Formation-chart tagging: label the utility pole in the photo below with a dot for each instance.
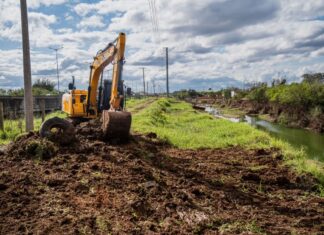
(147, 88)
(144, 79)
(28, 95)
(167, 70)
(57, 68)
(153, 85)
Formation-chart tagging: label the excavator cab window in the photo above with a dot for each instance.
(83, 98)
(71, 86)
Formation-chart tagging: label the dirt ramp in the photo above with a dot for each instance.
(148, 187)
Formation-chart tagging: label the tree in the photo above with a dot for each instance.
(45, 84)
(258, 94)
(313, 78)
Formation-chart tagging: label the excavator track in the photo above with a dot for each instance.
(116, 125)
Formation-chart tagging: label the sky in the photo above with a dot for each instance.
(212, 43)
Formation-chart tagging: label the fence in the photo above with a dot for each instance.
(13, 106)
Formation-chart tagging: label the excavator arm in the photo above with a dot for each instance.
(101, 60)
(117, 73)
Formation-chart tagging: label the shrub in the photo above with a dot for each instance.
(258, 94)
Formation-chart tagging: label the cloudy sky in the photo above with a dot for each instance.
(212, 43)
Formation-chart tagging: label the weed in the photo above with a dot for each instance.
(97, 175)
(260, 188)
(84, 181)
(240, 227)
(41, 150)
(320, 189)
(244, 188)
(102, 224)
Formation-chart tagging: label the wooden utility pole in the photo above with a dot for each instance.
(147, 88)
(153, 86)
(167, 70)
(144, 79)
(1, 117)
(28, 96)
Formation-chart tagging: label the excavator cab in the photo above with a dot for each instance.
(106, 95)
(105, 103)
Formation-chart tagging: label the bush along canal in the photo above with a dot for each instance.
(311, 142)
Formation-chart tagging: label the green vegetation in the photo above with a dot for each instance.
(304, 95)
(41, 87)
(13, 128)
(134, 102)
(240, 227)
(183, 127)
(134, 105)
(41, 150)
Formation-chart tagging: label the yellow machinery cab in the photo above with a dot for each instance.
(74, 103)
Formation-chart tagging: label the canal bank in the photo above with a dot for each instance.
(312, 143)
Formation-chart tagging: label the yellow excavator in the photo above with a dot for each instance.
(82, 105)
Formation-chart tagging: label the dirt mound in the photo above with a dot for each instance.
(147, 187)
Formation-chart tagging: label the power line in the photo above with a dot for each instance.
(154, 19)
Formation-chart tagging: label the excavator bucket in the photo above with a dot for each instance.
(116, 125)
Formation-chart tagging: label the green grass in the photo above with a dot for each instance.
(183, 127)
(186, 128)
(135, 104)
(13, 128)
(230, 112)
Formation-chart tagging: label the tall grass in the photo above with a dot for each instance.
(13, 128)
(186, 128)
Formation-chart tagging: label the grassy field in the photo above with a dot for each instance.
(184, 127)
(13, 128)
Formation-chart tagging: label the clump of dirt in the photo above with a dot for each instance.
(31, 146)
(148, 187)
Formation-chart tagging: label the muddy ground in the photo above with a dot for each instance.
(148, 187)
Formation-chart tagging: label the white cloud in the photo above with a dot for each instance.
(91, 22)
(38, 3)
(209, 41)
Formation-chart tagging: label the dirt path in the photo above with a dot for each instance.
(141, 106)
(147, 187)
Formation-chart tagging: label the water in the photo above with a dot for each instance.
(313, 143)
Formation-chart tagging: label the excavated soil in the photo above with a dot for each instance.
(148, 187)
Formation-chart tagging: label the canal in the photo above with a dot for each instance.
(311, 142)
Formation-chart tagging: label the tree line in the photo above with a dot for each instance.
(41, 87)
